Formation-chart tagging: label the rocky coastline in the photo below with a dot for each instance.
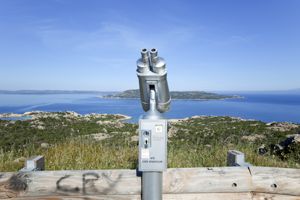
(32, 115)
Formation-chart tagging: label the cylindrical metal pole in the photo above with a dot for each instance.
(152, 186)
(152, 181)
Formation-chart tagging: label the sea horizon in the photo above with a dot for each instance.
(263, 106)
(67, 91)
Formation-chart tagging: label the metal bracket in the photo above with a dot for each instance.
(34, 163)
(236, 158)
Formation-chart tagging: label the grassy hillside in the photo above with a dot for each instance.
(71, 141)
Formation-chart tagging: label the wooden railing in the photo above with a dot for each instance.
(218, 183)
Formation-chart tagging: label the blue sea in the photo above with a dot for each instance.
(267, 107)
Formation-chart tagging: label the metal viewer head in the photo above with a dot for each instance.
(152, 75)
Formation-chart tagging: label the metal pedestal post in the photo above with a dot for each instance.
(152, 180)
(152, 186)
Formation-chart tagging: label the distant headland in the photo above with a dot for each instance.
(190, 95)
(127, 94)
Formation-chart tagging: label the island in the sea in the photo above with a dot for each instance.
(192, 95)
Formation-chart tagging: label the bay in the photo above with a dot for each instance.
(266, 107)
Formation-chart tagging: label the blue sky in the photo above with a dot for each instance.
(93, 45)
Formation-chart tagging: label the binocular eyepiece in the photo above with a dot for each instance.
(152, 74)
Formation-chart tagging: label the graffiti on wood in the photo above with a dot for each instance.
(88, 184)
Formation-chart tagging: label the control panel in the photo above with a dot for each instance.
(152, 145)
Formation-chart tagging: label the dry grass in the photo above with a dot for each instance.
(77, 154)
(215, 156)
(195, 142)
(85, 153)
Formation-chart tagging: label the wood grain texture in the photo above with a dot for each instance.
(276, 180)
(266, 196)
(197, 196)
(178, 183)
(107, 182)
(12, 185)
(198, 180)
(200, 196)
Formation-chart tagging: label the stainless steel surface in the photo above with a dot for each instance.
(152, 140)
(152, 73)
(155, 99)
(152, 113)
(152, 173)
(152, 186)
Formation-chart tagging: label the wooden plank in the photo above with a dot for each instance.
(199, 196)
(265, 196)
(189, 180)
(11, 185)
(276, 180)
(198, 180)
(121, 182)
(41, 183)
(83, 197)
(126, 182)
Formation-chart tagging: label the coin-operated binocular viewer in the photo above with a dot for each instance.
(155, 99)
